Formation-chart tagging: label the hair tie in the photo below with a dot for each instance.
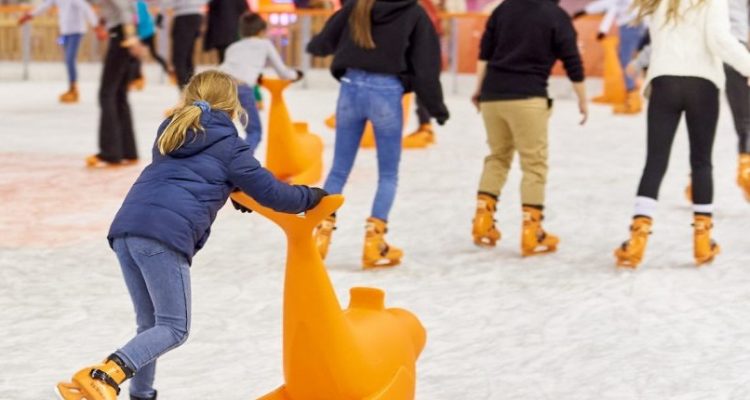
(203, 105)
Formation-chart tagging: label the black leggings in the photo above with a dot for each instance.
(185, 31)
(738, 94)
(149, 41)
(698, 99)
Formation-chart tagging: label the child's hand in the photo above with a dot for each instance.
(583, 108)
(475, 101)
(300, 75)
(101, 33)
(318, 195)
(632, 70)
(239, 207)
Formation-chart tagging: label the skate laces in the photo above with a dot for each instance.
(104, 377)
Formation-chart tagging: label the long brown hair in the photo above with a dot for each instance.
(360, 24)
(648, 7)
(217, 89)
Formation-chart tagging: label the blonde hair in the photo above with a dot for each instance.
(218, 90)
(648, 7)
(360, 24)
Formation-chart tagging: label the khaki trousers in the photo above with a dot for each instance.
(516, 125)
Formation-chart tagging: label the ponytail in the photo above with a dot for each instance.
(174, 134)
(360, 24)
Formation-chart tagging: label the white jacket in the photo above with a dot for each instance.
(697, 44)
(72, 14)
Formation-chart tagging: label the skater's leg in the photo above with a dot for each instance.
(127, 135)
(253, 128)
(630, 37)
(500, 141)
(386, 114)
(142, 383)
(664, 112)
(528, 120)
(350, 125)
(183, 40)
(738, 95)
(72, 42)
(702, 115)
(114, 77)
(192, 36)
(166, 274)
(151, 43)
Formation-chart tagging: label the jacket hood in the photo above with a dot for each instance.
(217, 126)
(385, 11)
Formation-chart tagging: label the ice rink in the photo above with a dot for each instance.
(564, 326)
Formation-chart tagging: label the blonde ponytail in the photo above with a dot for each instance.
(210, 90)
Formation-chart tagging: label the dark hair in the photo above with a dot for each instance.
(251, 24)
(360, 24)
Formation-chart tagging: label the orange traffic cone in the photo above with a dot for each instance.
(614, 80)
(366, 351)
(294, 153)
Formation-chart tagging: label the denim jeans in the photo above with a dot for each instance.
(375, 97)
(253, 129)
(158, 280)
(70, 45)
(630, 37)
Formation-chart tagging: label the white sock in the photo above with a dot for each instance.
(645, 206)
(703, 208)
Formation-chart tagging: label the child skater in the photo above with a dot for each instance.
(244, 60)
(513, 71)
(198, 159)
(689, 41)
(147, 34)
(630, 35)
(73, 16)
(381, 48)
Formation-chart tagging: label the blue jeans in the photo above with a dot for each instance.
(70, 45)
(630, 37)
(375, 97)
(158, 280)
(253, 128)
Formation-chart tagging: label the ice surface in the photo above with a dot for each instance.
(562, 326)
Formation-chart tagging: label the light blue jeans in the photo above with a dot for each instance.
(71, 43)
(254, 130)
(158, 280)
(630, 37)
(375, 97)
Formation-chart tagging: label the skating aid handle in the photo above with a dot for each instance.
(294, 224)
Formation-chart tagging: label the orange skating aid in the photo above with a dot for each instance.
(365, 352)
(99, 382)
(705, 249)
(614, 80)
(534, 240)
(630, 253)
(483, 230)
(368, 137)
(294, 153)
(743, 175)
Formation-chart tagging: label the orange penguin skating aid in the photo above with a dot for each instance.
(613, 79)
(294, 153)
(365, 352)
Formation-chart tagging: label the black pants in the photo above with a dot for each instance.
(150, 43)
(671, 97)
(221, 51)
(423, 116)
(185, 31)
(738, 94)
(116, 137)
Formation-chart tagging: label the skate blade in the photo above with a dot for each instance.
(68, 391)
(384, 263)
(538, 251)
(485, 242)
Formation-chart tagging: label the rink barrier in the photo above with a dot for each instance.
(290, 32)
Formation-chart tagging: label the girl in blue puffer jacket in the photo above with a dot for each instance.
(198, 160)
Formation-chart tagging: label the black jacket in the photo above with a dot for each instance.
(521, 43)
(223, 23)
(406, 45)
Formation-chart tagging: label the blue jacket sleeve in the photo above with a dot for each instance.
(326, 42)
(246, 173)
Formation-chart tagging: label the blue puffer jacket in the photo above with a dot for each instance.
(176, 198)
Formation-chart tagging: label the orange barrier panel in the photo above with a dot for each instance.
(366, 352)
(294, 154)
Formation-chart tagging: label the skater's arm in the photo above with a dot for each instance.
(566, 48)
(46, 5)
(598, 7)
(583, 107)
(607, 21)
(481, 73)
(425, 59)
(720, 39)
(326, 42)
(246, 173)
(274, 58)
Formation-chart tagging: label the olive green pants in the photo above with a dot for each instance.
(516, 125)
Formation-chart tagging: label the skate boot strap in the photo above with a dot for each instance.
(104, 377)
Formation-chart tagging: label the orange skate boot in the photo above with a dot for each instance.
(743, 175)
(534, 240)
(630, 253)
(705, 249)
(378, 253)
(71, 96)
(632, 105)
(484, 231)
(323, 234)
(424, 136)
(99, 382)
